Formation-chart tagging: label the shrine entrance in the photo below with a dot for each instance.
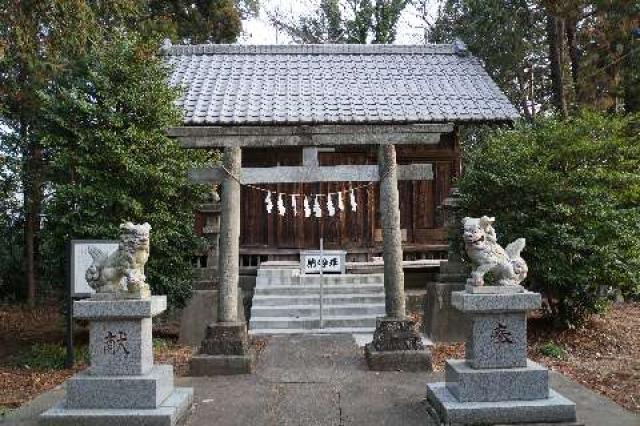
(312, 122)
(353, 302)
(309, 207)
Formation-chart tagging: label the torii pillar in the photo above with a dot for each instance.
(397, 344)
(225, 348)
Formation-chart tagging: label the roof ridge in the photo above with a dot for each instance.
(309, 49)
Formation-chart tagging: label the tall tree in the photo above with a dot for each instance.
(202, 21)
(37, 41)
(40, 43)
(11, 224)
(609, 43)
(385, 20)
(111, 160)
(344, 21)
(552, 53)
(509, 36)
(555, 35)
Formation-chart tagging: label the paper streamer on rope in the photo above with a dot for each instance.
(352, 200)
(268, 202)
(307, 209)
(294, 204)
(317, 210)
(281, 209)
(340, 202)
(331, 209)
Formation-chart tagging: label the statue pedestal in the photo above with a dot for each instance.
(122, 386)
(397, 346)
(225, 350)
(496, 383)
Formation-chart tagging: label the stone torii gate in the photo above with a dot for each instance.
(396, 344)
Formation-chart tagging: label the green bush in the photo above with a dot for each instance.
(552, 350)
(160, 344)
(48, 356)
(572, 189)
(111, 161)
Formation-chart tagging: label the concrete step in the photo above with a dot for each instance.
(340, 321)
(315, 279)
(274, 273)
(313, 311)
(314, 299)
(293, 290)
(267, 281)
(285, 301)
(359, 331)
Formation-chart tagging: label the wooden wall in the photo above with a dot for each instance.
(357, 231)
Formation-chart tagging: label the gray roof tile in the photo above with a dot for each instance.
(314, 84)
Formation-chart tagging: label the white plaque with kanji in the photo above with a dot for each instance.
(330, 262)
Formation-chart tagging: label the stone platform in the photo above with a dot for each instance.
(122, 386)
(496, 383)
(323, 381)
(397, 346)
(225, 350)
(169, 413)
(286, 301)
(553, 409)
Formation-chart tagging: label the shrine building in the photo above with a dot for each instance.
(289, 88)
(310, 121)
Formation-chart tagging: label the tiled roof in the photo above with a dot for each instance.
(333, 84)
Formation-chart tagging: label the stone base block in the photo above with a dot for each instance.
(407, 360)
(202, 308)
(396, 334)
(107, 307)
(149, 391)
(442, 322)
(226, 338)
(172, 410)
(493, 289)
(496, 384)
(554, 409)
(547, 424)
(203, 365)
(470, 303)
(497, 341)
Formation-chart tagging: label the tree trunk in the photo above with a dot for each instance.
(574, 54)
(32, 203)
(525, 103)
(555, 36)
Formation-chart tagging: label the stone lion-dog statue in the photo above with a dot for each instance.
(487, 256)
(108, 271)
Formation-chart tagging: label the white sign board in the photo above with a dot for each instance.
(81, 260)
(331, 262)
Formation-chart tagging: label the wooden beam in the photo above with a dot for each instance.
(305, 174)
(320, 135)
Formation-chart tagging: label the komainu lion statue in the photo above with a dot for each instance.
(106, 273)
(481, 244)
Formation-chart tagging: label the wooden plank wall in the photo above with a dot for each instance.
(348, 230)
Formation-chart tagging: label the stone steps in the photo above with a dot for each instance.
(356, 331)
(333, 289)
(297, 311)
(314, 299)
(341, 321)
(287, 302)
(315, 280)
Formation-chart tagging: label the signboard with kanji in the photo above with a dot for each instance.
(331, 262)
